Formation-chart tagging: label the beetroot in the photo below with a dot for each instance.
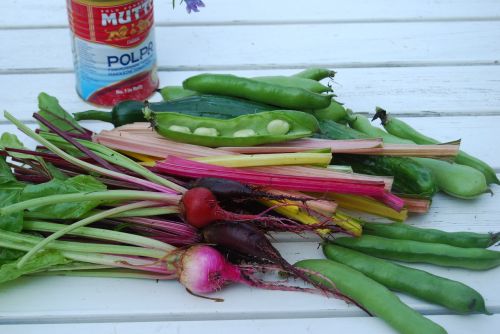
(200, 208)
(202, 269)
(246, 239)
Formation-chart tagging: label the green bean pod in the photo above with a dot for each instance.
(465, 159)
(181, 127)
(297, 82)
(315, 73)
(281, 96)
(402, 129)
(454, 179)
(407, 232)
(423, 252)
(371, 295)
(169, 93)
(362, 124)
(334, 112)
(451, 294)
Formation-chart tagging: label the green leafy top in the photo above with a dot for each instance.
(43, 260)
(51, 110)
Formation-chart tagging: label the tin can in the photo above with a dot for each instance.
(113, 49)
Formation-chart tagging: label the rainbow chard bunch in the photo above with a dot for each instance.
(145, 224)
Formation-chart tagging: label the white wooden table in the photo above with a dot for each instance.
(434, 63)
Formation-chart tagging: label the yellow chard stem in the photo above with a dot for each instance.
(294, 212)
(277, 159)
(368, 205)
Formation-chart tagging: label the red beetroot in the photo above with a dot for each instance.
(200, 208)
(202, 269)
(247, 240)
(225, 189)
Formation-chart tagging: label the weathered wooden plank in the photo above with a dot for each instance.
(34, 13)
(452, 323)
(268, 46)
(75, 299)
(416, 91)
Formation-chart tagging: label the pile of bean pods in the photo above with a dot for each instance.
(468, 177)
(363, 261)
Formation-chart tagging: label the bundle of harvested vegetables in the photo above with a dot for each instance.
(153, 205)
(145, 248)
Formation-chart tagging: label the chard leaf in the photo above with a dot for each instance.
(77, 184)
(10, 140)
(8, 255)
(14, 221)
(42, 260)
(85, 183)
(55, 172)
(6, 175)
(10, 193)
(51, 110)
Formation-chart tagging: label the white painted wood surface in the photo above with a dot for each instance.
(230, 12)
(384, 44)
(454, 324)
(433, 62)
(416, 91)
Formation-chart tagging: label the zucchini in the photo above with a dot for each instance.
(221, 107)
(410, 178)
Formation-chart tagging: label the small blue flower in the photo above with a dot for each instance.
(192, 5)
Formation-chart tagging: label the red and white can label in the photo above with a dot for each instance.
(113, 49)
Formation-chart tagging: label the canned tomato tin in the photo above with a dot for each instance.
(113, 49)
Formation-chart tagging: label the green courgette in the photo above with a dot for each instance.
(410, 178)
(221, 107)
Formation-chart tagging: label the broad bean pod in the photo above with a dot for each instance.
(423, 252)
(315, 73)
(407, 232)
(451, 294)
(250, 89)
(261, 128)
(371, 295)
(297, 82)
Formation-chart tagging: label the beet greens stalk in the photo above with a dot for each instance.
(80, 163)
(98, 233)
(115, 158)
(107, 272)
(75, 143)
(146, 212)
(122, 261)
(81, 223)
(108, 195)
(86, 247)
